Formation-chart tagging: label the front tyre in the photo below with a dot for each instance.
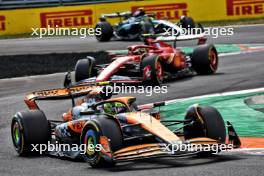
(207, 122)
(151, 69)
(91, 133)
(84, 69)
(27, 128)
(145, 28)
(187, 22)
(106, 31)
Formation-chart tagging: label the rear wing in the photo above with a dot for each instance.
(169, 38)
(123, 14)
(116, 15)
(180, 38)
(61, 93)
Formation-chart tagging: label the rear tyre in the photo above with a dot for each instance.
(205, 59)
(152, 70)
(29, 127)
(187, 22)
(106, 31)
(146, 28)
(208, 122)
(101, 126)
(84, 69)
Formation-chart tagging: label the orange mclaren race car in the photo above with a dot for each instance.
(114, 130)
(152, 62)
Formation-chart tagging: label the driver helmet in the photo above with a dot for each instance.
(139, 12)
(108, 108)
(119, 107)
(114, 108)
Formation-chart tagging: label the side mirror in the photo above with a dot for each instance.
(158, 104)
(67, 80)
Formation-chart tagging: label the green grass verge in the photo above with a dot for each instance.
(246, 120)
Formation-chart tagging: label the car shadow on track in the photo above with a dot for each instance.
(188, 77)
(165, 163)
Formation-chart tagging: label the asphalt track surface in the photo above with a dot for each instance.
(238, 72)
(246, 34)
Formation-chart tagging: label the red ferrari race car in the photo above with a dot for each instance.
(151, 63)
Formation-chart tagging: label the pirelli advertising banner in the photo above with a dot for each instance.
(23, 20)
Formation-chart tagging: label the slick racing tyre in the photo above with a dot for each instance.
(187, 22)
(106, 31)
(27, 128)
(91, 133)
(151, 69)
(208, 122)
(205, 59)
(84, 69)
(146, 28)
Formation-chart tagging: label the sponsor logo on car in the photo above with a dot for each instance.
(2, 23)
(169, 11)
(244, 7)
(67, 18)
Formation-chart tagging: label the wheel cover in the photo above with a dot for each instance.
(90, 141)
(213, 60)
(17, 137)
(159, 71)
(16, 134)
(147, 72)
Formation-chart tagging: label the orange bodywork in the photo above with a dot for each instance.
(31, 98)
(152, 125)
(76, 125)
(138, 151)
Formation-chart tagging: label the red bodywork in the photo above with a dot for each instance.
(170, 58)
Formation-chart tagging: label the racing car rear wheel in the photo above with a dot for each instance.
(106, 31)
(27, 128)
(84, 69)
(205, 59)
(207, 122)
(146, 28)
(187, 22)
(152, 70)
(91, 134)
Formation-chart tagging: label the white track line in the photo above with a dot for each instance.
(33, 76)
(209, 95)
(249, 151)
(242, 25)
(217, 95)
